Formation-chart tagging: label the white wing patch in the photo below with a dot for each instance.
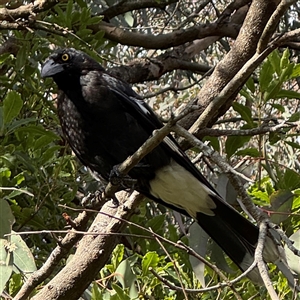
(177, 186)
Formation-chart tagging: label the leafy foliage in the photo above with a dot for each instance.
(38, 172)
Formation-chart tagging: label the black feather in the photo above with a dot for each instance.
(105, 121)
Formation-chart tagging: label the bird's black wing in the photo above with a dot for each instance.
(235, 234)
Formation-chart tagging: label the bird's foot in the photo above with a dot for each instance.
(124, 181)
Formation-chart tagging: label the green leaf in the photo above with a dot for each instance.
(284, 61)
(22, 56)
(6, 264)
(279, 107)
(4, 57)
(265, 76)
(150, 260)
(250, 84)
(129, 19)
(12, 106)
(281, 203)
(217, 256)
(291, 179)
(244, 111)
(37, 130)
(293, 259)
(274, 59)
(68, 13)
(198, 239)
(296, 71)
(127, 278)
(292, 144)
(287, 94)
(6, 218)
(117, 255)
(235, 142)
(294, 117)
(122, 295)
(253, 152)
(23, 258)
(156, 223)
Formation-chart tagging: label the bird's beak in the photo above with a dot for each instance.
(50, 68)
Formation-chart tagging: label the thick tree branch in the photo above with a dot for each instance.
(25, 11)
(164, 41)
(75, 277)
(125, 6)
(60, 252)
(242, 50)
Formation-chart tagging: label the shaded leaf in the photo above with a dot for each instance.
(198, 239)
(235, 142)
(6, 218)
(253, 152)
(23, 258)
(291, 179)
(244, 111)
(6, 264)
(12, 105)
(293, 259)
(127, 278)
(281, 203)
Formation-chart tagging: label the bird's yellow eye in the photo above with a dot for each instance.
(65, 57)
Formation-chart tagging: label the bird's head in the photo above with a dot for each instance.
(68, 62)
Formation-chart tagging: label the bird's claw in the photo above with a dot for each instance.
(124, 181)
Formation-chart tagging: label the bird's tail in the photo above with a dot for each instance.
(233, 233)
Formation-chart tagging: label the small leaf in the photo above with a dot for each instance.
(117, 255)
(217, 255)
(287, 94)
(293, 259)
(244, 111)
(129, 19)
(284, 61)
(291, 179)
(281, 203)
(235, 142)
(265, 76)
(121, 294)
(12, 105)
(6, 218)
(292, 144)
(253, 152)
(150, 260)
(127, 278)
(294, 117)
(274, 59)
(226, 189)
(23, 258)
(296, 71)
(198, 242)
(280, 107)
(6, 264)
(250, 84)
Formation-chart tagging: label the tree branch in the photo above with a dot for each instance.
(164, 41)
(124, 6)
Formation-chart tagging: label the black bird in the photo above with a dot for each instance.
(105, 121)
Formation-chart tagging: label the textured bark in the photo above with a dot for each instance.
(242, 50)
(92, 253)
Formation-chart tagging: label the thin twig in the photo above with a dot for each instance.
(260, 261)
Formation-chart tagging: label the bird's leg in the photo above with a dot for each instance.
(124, 181)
